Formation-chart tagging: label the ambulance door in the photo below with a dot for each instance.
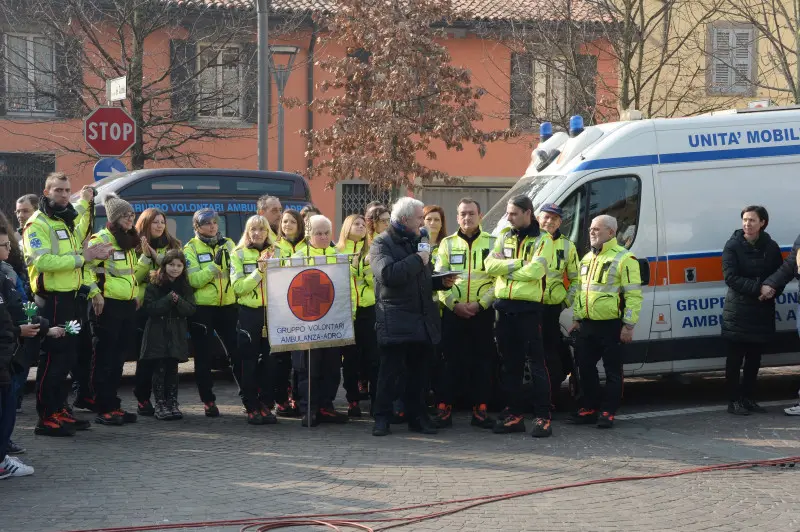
(627, 195)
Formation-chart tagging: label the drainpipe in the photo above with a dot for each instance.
(310, 85)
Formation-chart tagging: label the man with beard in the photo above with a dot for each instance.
(113, 292)
(270, 208)
(52, 244)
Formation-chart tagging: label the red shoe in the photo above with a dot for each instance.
(66, 418)
(330, 415)
(52, 426)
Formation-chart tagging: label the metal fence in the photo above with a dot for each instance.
(22, 173)
(355, 196)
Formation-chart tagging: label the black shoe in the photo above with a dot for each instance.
(541, 428)
(145, 408)
(127, 417)
(480, 418)
(110, 418)
(444, 416)
(605, 420)
(254, 418)
(504, 414)
(66, 418)
(511, 423)
(52, 426)
(314, 420)
(267, 415)
(752, 406)
(13, 448)
(211, 409)
(84, 403)
(423, 425)
(381, 428)
(584, 416)
(329, 415)
(288, 409)
(737, 408)
(354, 410)
(174, 411)
(398, 418)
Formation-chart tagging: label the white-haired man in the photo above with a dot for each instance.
(407, 318)
(605, 311)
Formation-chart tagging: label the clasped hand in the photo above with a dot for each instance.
(767, 293)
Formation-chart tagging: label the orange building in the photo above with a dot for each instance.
(44, 100)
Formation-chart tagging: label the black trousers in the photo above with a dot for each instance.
(82, 367)
(407, 363)
(519, 338)
(112, 335)
(599, 340)
(143, 385)
(204, 322)
(58, 354)
(469, 350)
(360, 361)
(253, 367)
(164, 381)
(283, 376)
(326, 367)
(556, 352)
(750, 354)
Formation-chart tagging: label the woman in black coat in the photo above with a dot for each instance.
(748, 316)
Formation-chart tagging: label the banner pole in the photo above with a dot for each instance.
(308, 402)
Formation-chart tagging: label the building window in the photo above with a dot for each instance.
(353, 198)
(550, 90)
(731, 57)
(30, 74)
(219, 82)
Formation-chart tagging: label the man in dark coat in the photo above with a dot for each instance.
(748, 317)
(407, 318)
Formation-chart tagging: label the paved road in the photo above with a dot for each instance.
(204, 469)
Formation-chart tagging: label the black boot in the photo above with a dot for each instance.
(171, 385)
(423, 425)
(160, 393)
(737, 408)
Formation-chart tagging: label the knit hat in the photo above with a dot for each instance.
(116, 207)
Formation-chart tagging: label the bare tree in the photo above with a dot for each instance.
(397, 98)
(191, 69)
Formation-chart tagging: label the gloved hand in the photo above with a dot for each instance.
(218, 256)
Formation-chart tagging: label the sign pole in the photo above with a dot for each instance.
(308, 402)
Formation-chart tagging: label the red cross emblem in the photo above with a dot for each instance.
(310, 295)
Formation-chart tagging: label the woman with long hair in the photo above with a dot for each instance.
(359, 359)
(437, 227)
(155, 241)
(291, 234)
(378, 219)
(251, 365)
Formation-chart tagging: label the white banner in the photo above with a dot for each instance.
(309, 306)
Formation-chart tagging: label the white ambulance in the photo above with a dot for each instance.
(677, 187)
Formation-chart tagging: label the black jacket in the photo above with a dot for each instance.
(745, 268)
(166, 330)
(787, 271)
(404, 307)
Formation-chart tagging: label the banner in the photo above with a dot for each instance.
(309, 306)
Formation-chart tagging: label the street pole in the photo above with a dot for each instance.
(281, 72)
(263, 83)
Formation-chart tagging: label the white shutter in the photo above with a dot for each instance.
(721, 57)
(558, 89)
(540, 92)
(742, 60)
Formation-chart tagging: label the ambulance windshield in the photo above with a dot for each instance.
(536, 187)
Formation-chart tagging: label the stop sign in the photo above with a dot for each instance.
(110, 131)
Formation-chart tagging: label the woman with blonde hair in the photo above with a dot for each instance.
(154, 242)
(360, 361)
(252, 366)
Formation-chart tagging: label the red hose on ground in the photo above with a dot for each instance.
(260, 524)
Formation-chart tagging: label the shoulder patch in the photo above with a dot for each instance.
(32, 234)
(36, 243)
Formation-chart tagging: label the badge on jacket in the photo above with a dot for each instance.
(457, 259)
(119, 255)
(508, 253)
(204, 257)
(62, 234)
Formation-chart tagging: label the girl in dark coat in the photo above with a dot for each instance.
(748, 316)
(168, 301)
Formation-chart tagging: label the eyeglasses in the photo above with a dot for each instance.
(129, 216)
(6, 245)
(384, 220)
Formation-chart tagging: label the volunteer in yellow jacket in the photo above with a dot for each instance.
(208, 267)
(114, 293)
(291, 239)
(520, 260)
(154, 242)
(556, 297)
(467, 319)
(253, 367)
(606, 309)
(359, 361)
(53, 245)
(326, 363)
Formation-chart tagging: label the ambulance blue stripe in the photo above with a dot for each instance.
(702, 255)
(687, 157)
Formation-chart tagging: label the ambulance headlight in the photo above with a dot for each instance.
(575, 125)
(545, 131)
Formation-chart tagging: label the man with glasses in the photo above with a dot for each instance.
(270, 208)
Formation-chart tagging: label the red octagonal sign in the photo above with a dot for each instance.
(110, 131)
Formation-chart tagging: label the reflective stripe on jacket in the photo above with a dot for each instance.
(457, 254)
(610, 285)
(521, 267)
(566, 266)
(249, 284)
(211, 283)
(115, 277)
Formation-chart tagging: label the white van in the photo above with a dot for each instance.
(677, 187)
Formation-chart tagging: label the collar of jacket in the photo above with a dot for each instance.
(606, 245)
(66, 214)
(469, 239)
(400, 233)
(532, 231)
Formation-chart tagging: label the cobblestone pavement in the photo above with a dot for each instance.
(202, 469)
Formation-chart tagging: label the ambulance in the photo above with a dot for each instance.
(676, 187)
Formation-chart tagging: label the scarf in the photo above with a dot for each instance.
(126, 240)
(66, 214)
(211, 241)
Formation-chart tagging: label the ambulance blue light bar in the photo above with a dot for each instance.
(575, 126)
(545, 131)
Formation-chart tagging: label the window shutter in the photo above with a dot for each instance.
(583, 88)
(250, 89)
(2, 74)
(69, 78)
(742, 58)
(521, 104)
(721, 60)
(183, 58)
(541, 92)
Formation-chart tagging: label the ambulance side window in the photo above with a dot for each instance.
(619, 197)
(574, 207)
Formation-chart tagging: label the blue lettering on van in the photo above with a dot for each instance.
(756, 136)
(705, 303)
